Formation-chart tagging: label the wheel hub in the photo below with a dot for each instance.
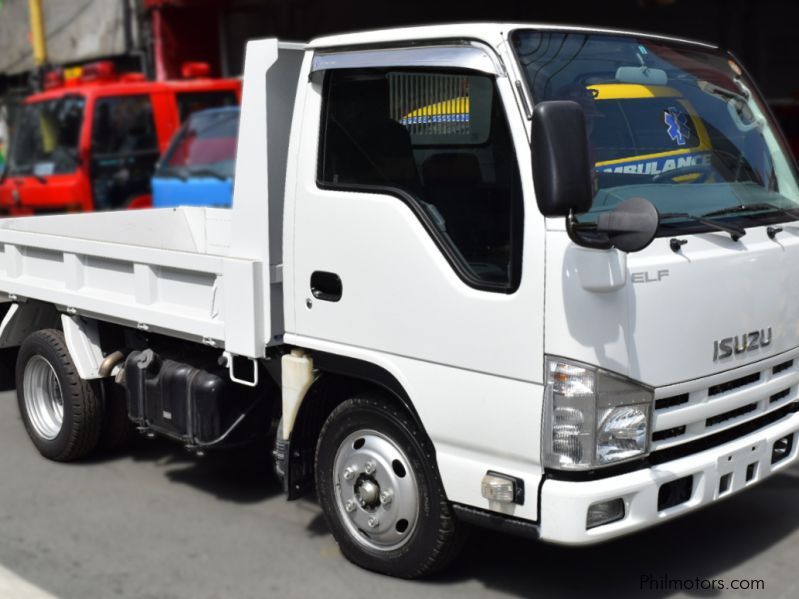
(367, 490)
(44, 401)
(376, 490)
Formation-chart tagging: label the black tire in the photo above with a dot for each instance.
(82, 407)
(436, 537)
(117, 430)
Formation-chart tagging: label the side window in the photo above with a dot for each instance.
(439, 141)
(123, 124)
(124, 150)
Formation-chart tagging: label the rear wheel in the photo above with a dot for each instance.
(61, 411)
(381, 493)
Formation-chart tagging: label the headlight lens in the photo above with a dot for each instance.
(593, 417)
(622, 434)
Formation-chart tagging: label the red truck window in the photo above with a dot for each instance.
(123, 124)
(124, 150)
(46, 142)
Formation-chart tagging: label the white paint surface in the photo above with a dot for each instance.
(14, 587)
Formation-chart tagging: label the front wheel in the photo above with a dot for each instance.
(381, 492)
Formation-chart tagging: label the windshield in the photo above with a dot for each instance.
(47, 137)
(205, 146)
(675, 123)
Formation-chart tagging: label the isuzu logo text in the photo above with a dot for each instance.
(739, 344)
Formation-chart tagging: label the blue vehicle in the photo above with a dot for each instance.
(197, 168)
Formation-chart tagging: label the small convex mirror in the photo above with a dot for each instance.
(631, 226)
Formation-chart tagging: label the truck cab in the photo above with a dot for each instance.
(651, 369)
(91, 139)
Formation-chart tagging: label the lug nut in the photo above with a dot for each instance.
(349, 472)
(370, 467)
(350, 505)
(373, 522)
(386, 497)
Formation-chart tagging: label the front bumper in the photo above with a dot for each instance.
(564, 504)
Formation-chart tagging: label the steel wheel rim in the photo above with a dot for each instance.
(376, 491)
(44, 401)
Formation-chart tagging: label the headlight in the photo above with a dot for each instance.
(593, 417)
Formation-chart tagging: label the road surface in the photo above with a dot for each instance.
(155, 522)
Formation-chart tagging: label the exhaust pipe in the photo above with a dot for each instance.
(108, 363)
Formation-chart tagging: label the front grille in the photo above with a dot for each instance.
(780, 367)
(669, 433)
(731, 414)
(778, 396)
(681, 450)
(690, 411)
(670, 402)
(730, 385)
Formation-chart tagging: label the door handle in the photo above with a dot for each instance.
(326, 286)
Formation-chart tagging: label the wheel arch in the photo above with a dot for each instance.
(22, 319)
(340, 377)
(18, 321)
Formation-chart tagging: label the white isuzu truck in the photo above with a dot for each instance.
(538, 278)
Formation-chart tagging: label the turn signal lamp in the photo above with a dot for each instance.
(496, 487)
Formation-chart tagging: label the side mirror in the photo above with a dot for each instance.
(561, 163)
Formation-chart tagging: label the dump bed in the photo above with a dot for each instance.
(203, 274)
(162, 270)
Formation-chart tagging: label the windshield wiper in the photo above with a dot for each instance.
(757, 207)
(734, 231)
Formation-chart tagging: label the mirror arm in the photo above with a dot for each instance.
(574, 234)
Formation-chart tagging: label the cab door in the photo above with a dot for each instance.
(411, 228)
(417, 246)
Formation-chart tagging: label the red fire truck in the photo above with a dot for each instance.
(91, 139)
